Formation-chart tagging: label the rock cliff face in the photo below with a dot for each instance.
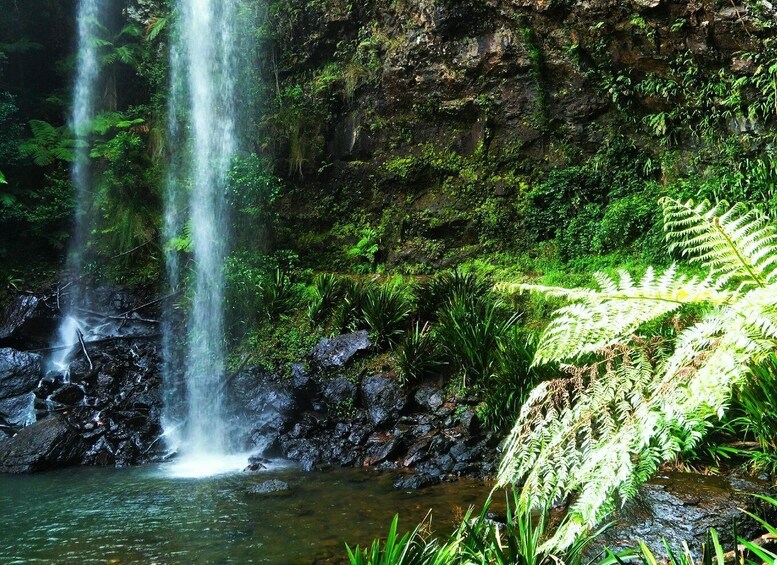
(431, 117)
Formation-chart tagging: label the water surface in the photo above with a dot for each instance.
(142, 515)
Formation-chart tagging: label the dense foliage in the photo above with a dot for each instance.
(367, 199)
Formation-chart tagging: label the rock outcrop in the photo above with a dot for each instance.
(107, 410)
(682, 507)
(326, 419)
(49, 444)
(20, 373)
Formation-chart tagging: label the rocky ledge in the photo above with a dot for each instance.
(104, 410)
(321, 418)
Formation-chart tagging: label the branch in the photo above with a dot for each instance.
(99, 342)
(83, 347)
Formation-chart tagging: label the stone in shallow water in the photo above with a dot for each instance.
(416, 482)
(271, 487)
(682, 507)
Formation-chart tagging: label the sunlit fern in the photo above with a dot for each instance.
(633, 401)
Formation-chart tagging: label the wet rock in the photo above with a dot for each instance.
(339, 390)
(19, 372)
(429, 397)
(300, 376)
(382, 449)
(49, 444)
(18, 411)
(272, 487)
(256, 463)
(27, 321)
(460, 453)
(337, 352)
(642, 4)
(383, 399)
(682, 507)
(469, 421)
(416, 482)
(68, 395)
(101, 454)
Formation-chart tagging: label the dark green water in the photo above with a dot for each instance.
(143, 516)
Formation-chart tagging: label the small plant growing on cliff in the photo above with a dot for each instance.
(365, 251)
(418, 357)
(386, 310)
(634, 400)
(327, 290)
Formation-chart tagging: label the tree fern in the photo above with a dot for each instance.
(49, 144)
(598, 319)
(595, 435)
(734, 243)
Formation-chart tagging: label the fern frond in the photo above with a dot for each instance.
(736, 243)
(612, 434)
(126, 54)
(43, 132)
(155, 27)
(601, 318)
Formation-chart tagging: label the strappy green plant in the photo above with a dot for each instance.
(635, 399)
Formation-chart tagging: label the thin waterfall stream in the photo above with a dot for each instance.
(84, 109)
(203, 139)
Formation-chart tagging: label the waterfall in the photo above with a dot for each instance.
(84, 107)
(203, 141)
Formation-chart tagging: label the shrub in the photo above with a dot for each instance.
(350, 315)
(441, 289)
(364, 253)
(327, 291)
(755, 415)
(278, 295)
(513, 379)
(478, 539)
(469, 331)
(386, 310)
(418, 357)
(637, 400)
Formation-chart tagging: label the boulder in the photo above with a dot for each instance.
(19, 372)
(682, 507)
(339, 390)
(18, 411)
(27, 320)
(47, 444)
(337, 352)
(383, 398)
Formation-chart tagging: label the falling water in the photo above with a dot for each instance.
(203, 125)
(84, 107)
